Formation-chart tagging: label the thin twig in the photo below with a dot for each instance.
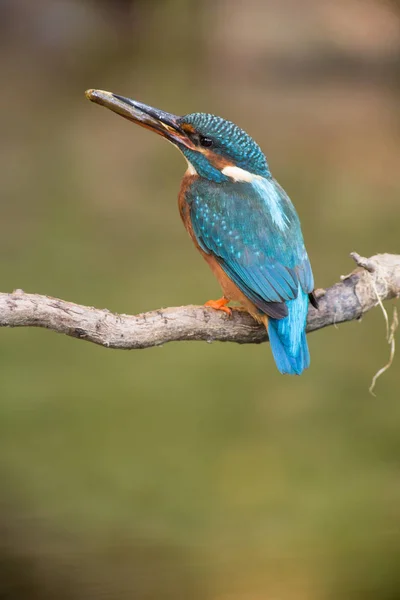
(392, 342)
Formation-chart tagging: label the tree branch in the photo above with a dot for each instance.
(375, 277)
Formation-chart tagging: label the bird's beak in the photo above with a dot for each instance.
(161, 122)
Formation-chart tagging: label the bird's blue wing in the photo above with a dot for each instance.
(254, 232)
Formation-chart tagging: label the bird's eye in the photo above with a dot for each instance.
(206, 142)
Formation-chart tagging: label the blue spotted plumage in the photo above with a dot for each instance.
(268, 262)
(232, 141)
(241, 220)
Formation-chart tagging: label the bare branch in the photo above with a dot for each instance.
(376, 279)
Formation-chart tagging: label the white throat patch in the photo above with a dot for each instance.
(190, 170)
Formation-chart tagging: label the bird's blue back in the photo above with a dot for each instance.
(254, 232)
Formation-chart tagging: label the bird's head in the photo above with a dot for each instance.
(215, 149)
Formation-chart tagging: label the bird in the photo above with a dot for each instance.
(241, 221)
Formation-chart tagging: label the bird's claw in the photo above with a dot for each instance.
(220, 305)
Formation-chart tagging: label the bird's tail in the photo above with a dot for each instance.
(288, 337)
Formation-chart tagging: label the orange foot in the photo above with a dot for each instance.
(220, 305)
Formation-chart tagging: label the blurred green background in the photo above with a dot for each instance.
(194, 470)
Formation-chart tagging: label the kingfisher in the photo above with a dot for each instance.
(241, 221)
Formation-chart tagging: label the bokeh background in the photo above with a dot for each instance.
(194, 470)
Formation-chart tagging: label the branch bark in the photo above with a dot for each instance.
(375, 279)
